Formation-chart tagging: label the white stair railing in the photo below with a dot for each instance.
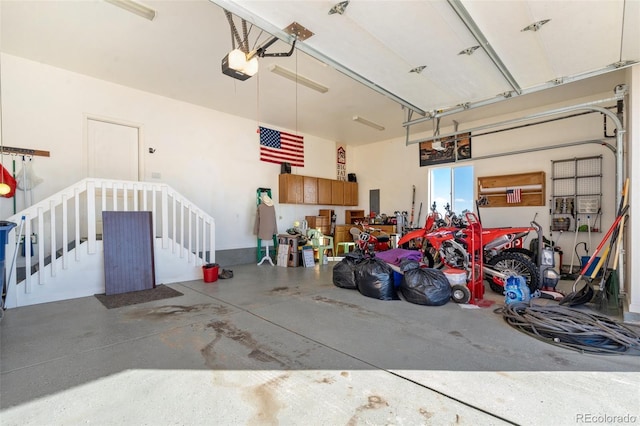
(67, 229)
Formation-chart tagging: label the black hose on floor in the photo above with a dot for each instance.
(572, 329)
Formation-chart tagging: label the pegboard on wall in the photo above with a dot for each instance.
(517, 190)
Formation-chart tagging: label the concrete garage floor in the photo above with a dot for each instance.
(285, 346)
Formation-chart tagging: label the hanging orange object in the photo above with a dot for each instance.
(7, 184)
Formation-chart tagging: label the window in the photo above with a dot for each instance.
(453, 186)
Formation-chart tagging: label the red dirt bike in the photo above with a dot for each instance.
(499, 261)
(503, 254)
(414, 239)
(366, 239)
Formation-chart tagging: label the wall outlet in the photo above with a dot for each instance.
(156, 175)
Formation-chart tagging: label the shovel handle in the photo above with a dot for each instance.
(625, 192)
(600, 262)
(618, 243)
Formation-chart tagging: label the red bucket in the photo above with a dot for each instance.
(210, 272)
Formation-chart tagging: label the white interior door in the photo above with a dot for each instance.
(113, 150)
(112, 153)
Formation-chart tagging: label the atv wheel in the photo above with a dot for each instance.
(460, 293)
(510, 263)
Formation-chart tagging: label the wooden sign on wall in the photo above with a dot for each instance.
(341, 163)
(517, 190)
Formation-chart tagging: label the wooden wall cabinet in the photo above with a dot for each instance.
(350, 193)
(324, 191)
(310, 190)
(337, 193)
(291, 187)
(298, 189)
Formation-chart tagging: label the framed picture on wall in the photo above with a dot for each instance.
(443, 150)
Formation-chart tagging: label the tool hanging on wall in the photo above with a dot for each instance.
(589, 231)
(27, 180)
(575, 242)
(413, 206)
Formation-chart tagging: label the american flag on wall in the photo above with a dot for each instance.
(279, 147)
(514, 195)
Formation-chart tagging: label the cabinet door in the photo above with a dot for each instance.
(310, 190)
(324, 191)
(350, 193)
(337, 192)
(291, 187)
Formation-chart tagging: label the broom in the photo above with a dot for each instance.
(607, 297)
(611, 304)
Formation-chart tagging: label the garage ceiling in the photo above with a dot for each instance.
(364, 56)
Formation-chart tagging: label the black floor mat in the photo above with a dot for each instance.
(136, 297)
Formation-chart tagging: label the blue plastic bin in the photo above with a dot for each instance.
(397, 279)
(5, 227)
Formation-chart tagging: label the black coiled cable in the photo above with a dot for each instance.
(572, 329)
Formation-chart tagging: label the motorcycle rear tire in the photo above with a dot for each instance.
(512, 263)
(521, 250)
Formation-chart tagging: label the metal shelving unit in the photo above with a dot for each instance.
(577, 194)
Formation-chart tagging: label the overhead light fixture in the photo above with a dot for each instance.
(339, 8)
(367, 122)
(283, 72)
(535, 26)
(469, 51)
(236, 65)
(418, 69)
(134, 7)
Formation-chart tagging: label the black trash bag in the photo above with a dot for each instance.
(408, 264)
(374, 278)
(426, 286)
(344, 271)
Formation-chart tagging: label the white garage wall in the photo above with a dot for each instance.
(210, 157)
(403, 170)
